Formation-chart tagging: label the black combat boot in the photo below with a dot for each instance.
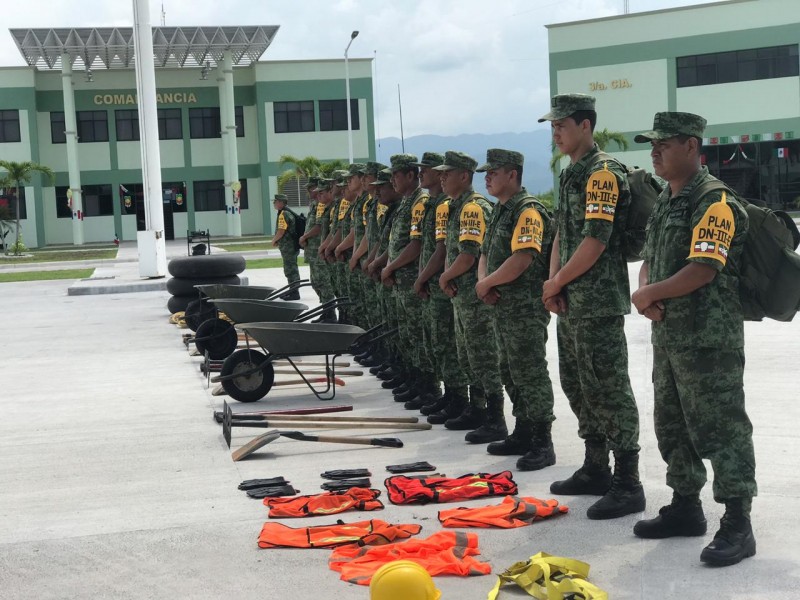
(456, 403)
(291, 295)
(470, 418)
(683, 517)
(392, 383)
(519, 442)
(427, 391)
(593, 478)
(494, 428)
(389, 372)
(436, 404)
(542, 454)
(734, 540)
(626, 495)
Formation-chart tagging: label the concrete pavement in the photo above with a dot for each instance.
(118, 484)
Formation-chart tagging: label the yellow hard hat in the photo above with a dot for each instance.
(402, 580)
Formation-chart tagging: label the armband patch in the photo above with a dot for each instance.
(442, 216)
(712, 236)
(528, 231)
(602, 193)
(472, 224)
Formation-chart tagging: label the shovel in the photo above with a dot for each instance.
(274, 434)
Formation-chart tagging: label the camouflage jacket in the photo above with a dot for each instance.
(285, 222)
(359, 218)
(593, 202)
(314, 208)
(406, 226)
(709, 232)
(386, 226)
(466, 228)
(434, 229)
(519, 226)
(324, 220)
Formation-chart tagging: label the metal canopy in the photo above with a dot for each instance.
(112, 47)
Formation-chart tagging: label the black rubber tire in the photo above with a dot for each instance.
(252, 387)
(198, 311)
(209, 265)
(180, 286)
(222, 339)
(179, 303)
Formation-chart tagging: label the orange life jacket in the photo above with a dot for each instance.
(329, 503)
(510, 513)
(374, 531)
(443, 553)
(406, 490)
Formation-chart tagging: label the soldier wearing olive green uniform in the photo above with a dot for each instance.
(357, 224)
(287, 242)
(689, 289)
(589, 284)
(475, 339)
(322, 219)
(310, 243)
(372, 234)
(518, 232)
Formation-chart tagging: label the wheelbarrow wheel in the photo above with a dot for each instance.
(250, 387)
(197, 312)
(216, 336)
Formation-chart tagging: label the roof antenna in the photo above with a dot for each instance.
(163, 16)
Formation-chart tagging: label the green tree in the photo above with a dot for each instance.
(602, 138)
(309, 166)
(19, 173)
(547, 199)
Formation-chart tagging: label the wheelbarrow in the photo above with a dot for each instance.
(248, 375)
(218, 338)
(199, 311)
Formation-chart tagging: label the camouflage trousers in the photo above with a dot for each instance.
(372, 303)
(593, 365)
(475, 342)
(290, 269)
(440, 339)
(320, 277)
(410, 315)
(520, 326)
(355, 291)
(389, 316)
(699, 414)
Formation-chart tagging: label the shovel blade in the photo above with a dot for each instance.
(255, 444)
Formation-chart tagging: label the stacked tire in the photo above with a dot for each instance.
(189, 271)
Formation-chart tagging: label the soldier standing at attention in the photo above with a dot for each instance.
(288, 243)
(688, 287)
(511, 272)
(309, 241)
(589, 290)
(475, 341)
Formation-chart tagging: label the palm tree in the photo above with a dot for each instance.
(20, 173)
(602, 138)
(305, 168)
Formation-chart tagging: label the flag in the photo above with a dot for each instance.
(782, 152)
(123, 188)
(777, 136)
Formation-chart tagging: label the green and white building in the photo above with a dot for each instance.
(735, 63)
(73, 109)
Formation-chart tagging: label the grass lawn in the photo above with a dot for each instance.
(264, 263)
(247, 247)
(45, 275)
(59, 255)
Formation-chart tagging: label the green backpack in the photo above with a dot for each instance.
(769, 278)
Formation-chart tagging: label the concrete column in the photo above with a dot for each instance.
(223, 125)
(232, 155)
(71, 134)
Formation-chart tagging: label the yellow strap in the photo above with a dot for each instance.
(547, 577)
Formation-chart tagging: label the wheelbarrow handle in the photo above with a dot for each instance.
(336, 439)
(318, 310)
(295, 285)
(359, 343)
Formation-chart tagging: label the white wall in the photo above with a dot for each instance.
(129, 154)
(743, 101)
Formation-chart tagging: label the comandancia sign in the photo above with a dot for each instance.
(161, 98)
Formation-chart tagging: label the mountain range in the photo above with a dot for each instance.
(534, 145)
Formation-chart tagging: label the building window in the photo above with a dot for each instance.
(294, 117)
(92, 126)
(58, 128)
(295, 190)
(127, 125)
(204, 123)
(739, 65)
(209, 195)
(97, 200)
(9, 126)
(238, 117)
(8, 201)
(63, 211)
(333, 117)
(170, 124)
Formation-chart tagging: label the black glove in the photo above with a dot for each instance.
(345, 474)
(345, 484)
(257, 483)
(272, 492)
(411, 467)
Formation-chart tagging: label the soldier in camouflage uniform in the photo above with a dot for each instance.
(588, 288)
(339, 207)
(343, 250)
(511, 273)
(688, 287)
(315, 238)
(438, 325)
(400, 273)
(287, 242)
(475, 340)
(354, 230)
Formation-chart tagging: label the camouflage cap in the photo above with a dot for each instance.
(431, 159)
(401, 162)
(323, 184)
(457, 160)
(670, 124)
(313, 181)
(373, 168)
(563, 105)
(340, 177)
(357, 168)
(383, 177)
(496, 158)
(280, 198)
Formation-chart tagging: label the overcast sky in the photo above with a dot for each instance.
(463, 66)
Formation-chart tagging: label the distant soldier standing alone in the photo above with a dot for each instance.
(287, 242)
